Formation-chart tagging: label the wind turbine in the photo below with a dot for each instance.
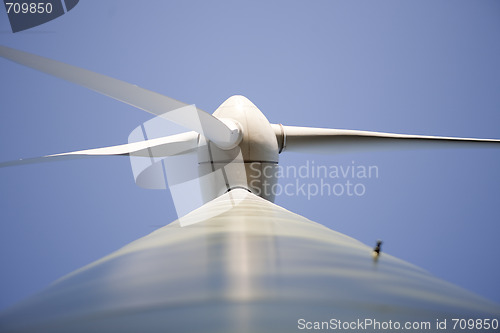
(238, 263)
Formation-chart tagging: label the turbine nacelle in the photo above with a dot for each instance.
(241, 166)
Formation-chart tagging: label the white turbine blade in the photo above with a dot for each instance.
(326, 141)
(152, 102)
(166, 146)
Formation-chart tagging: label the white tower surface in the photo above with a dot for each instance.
(243, 264)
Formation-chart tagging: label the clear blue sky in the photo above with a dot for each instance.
(417, 67)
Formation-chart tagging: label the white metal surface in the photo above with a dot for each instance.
(243, 265)
(243, 166)
(332, 141)
(160, 147)
(178, 112)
